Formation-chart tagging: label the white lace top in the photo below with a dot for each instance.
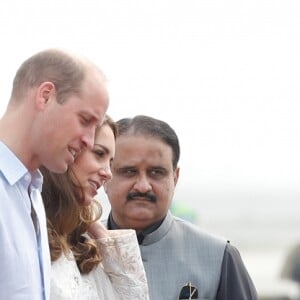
(121, 276)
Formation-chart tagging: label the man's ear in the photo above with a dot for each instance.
(176, 175)
(44, 94)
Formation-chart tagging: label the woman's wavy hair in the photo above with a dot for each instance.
(67, 219)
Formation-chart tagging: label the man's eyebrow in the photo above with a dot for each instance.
(90, 115)
(126, 167)
(123, 168)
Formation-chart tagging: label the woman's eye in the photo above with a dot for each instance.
(99, 153)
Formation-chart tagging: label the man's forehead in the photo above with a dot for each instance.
(127, 138)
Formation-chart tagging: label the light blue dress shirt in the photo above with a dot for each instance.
(25, 257)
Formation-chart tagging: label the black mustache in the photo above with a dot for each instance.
(133, 195)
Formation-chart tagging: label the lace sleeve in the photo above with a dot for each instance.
(123, 263)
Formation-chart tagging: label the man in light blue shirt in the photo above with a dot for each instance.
(19, 243)
(57, 101)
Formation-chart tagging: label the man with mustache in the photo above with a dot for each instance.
(181, 260)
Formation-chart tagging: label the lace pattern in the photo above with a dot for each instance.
(120, 277)
(128, 275)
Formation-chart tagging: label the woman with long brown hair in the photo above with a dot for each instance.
(89, 261)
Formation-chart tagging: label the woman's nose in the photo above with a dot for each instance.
(105, 171)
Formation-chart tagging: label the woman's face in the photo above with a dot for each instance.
(92, 167)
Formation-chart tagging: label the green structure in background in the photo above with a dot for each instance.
(182, 210)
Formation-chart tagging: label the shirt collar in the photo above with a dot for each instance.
(37, 179)
(13, 169)
(111, 224)
(10, 165)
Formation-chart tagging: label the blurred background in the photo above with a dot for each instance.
(225, 75)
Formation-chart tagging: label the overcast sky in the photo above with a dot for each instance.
(224, 74)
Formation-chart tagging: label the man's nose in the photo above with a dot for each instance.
(143, 184)
(88, 138)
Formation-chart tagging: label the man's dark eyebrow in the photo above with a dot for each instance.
(159, 168)
(127, 167)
